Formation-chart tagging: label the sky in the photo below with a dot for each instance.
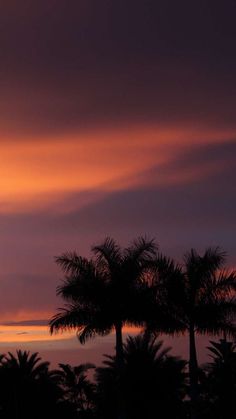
(117, 118)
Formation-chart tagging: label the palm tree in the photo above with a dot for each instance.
(152, 380)
(77, 388)
(28, 365)
(27, 387)
(220, 380)
(105, 292)
(199, 297)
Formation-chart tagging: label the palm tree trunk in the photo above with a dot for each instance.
(119, 344)
(193, 372)
(120, 363)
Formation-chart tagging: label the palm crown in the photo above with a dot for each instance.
(104, 292)
(198, 297)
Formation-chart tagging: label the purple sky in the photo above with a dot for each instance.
(117, 118)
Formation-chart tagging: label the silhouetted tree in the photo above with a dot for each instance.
(77, 388)
(153, 381)
(27, 387)
(220, 380)
(104, 292)
(200, 297)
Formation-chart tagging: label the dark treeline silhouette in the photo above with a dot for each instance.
(29, 390)
(136, 286)
(155, 384)
(153, 381)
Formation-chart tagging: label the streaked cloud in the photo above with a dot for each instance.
(188, 201)
(34, 175)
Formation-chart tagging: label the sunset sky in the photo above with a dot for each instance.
(117, 118)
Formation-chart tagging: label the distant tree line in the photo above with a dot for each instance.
(154, 383)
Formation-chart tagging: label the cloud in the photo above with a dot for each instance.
(33, 322)
(198, 211)
(188, 201)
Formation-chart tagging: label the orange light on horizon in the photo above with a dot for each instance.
(19, 334)
(23, 334)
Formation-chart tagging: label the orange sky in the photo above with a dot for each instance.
(65, 347)
(64, 193)
(67, 192)
(35, 174)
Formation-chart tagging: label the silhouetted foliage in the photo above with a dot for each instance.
(219, 382)
(105, 292)
(153, 381)
(154, 385)
(199, 297)
(27, 387)
(138, 286)
(78, 390)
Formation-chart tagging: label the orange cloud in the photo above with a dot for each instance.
(33, 174)
(21, 334)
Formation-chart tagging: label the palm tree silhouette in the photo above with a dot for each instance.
(152, 381)
(200, 298)
(77, 388)
(220, 380)
(105, 292)
(27, 387)
(26, 364)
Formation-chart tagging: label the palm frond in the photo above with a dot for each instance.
(83, 368)
(214, 258)
(68, 318)
(167, 273)
(225, 283)
(200, 268)
(72, 264)
(107, 253)
(28, 364)
(221, 350)
(141, 249)
(217, 327)
(86, 287)
(91, 330)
